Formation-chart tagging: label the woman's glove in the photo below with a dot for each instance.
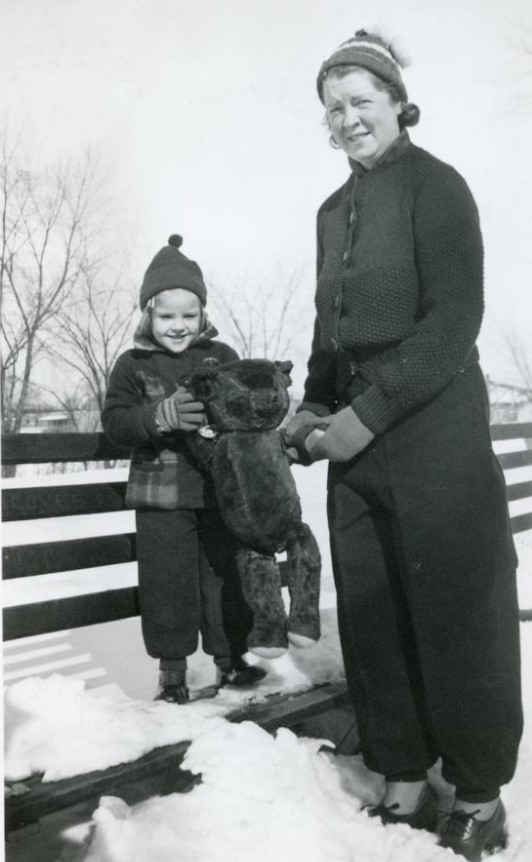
(180, 412)
(344, 438)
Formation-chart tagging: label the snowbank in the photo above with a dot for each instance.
(270, 799)
(262, 799)
(57, 727)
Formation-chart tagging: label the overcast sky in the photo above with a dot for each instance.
(205, 115)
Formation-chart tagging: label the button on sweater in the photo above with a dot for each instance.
(400, 285)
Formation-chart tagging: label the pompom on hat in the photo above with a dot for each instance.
(170, 268)
(372, 52)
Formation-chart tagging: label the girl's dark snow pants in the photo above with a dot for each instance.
(188, 583)
(424, 565)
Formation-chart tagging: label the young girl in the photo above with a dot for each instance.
(188, 579)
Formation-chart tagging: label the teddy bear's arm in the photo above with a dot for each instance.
(201, 445)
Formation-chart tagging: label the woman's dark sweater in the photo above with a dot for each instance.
(400, 285)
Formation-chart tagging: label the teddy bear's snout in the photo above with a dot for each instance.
(263, 402)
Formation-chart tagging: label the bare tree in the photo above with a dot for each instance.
(88, 335)
(45, 243)
(78, 408)
(264, 320)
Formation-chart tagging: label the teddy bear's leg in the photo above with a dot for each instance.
(261, 585)
(304, 569)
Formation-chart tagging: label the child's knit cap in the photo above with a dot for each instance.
(170, 268)
(371, 52)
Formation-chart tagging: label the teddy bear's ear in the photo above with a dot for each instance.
(203, 380)
(285, 368)
(208, 370)
(211, 362)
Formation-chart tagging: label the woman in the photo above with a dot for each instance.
(422, 549)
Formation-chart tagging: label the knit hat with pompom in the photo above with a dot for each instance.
(170, 268)
(372, 52)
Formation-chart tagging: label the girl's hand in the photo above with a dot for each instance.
(344, 438)
(180, 412)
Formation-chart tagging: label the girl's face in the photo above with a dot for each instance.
(363, 119)
(175, 319)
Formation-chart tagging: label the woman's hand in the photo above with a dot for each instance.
(344, 438)
(296, 433)
(304, 419)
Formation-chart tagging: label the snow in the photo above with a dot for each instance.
(36, 475)
(267, 799)
(69, 527)
(56, 727)
(523, 544)
(261, 797)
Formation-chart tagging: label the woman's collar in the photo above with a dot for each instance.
(394, 152)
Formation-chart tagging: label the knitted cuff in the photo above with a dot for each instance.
(160, 422)
(375, 409)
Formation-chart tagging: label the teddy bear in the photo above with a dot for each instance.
(244, 451)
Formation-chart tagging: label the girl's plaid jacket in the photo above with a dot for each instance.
(162, 474)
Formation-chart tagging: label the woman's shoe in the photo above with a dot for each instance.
(172, 687)
(470, 838)
(422, 817)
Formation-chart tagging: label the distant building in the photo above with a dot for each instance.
(39, 419)
(509, 403)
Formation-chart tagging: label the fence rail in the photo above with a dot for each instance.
(69, 555)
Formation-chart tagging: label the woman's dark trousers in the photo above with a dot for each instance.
(188, 583)
(424, 565)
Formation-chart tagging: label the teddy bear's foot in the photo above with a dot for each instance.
(268, 642)
(268, 652)
(301, 641)
(304, 569)
(304, 624)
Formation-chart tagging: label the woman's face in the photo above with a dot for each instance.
(175, 319)
(363, 119)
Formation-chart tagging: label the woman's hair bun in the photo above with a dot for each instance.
(175, 240)
(409, 116)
